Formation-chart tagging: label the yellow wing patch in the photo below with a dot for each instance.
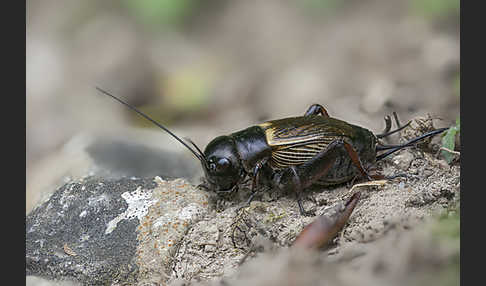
(293, 143)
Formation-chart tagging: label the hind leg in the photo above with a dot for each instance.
(316, 109)
(298, 178)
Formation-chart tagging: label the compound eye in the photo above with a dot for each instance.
(218, 165)
(223, 164)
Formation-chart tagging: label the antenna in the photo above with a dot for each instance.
(199, 156)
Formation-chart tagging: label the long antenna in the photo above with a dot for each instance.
(200, 156)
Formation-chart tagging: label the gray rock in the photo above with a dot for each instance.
(96, 231)
(403, 160)
(128, 158)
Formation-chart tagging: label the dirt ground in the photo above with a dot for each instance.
(234, 65)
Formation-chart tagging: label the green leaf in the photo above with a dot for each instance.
(449, 141)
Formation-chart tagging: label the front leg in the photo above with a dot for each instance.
(299, 177)
(256, 178)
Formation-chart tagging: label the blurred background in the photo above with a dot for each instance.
(207, 68)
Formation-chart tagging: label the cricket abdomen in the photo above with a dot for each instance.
(297, 140)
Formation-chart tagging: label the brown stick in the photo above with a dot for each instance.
(325, 228)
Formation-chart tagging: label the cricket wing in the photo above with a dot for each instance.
(298, 139)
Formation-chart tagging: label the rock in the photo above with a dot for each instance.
(128, 158)
(119, 153)
(403, 160)
(443, 164)
(418, 127)
(178, 208)
(97, 231)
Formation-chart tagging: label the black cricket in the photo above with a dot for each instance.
(291, 154)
